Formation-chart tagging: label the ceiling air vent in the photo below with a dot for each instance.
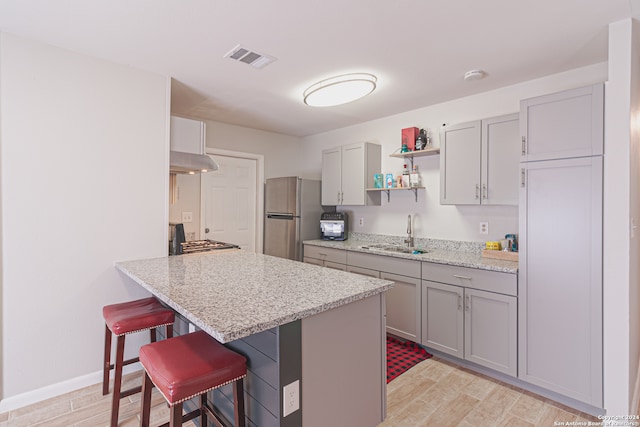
(247, 56)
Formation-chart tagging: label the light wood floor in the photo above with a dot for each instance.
(432, 393)
(87, 407)
(438, 393)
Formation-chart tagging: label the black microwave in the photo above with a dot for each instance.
(334, 226)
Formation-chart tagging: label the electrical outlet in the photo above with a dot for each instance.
(291, 398)
(361, 222)
(484, 228)
(187, 216)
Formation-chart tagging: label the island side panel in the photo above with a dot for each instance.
(344, 365)
(273, 360)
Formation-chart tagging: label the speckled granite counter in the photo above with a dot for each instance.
(468, 257)
(234, 294)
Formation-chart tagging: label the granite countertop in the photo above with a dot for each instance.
(233, 294)
(468, 257)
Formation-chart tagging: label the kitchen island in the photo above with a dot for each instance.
(297, 323)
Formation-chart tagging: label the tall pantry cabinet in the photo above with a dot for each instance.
(560, 271)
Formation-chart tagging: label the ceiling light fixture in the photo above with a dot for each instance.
(340, 89)
(474, 75)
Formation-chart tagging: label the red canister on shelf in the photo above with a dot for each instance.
(409, 136)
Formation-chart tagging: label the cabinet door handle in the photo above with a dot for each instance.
(338, 198)
(468, 302)
(524, 146)
(522, 177)
(477, 191)
(484, 191)
(459, 302)
(462, 277)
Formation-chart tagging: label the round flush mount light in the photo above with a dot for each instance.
(474, 75)
(340, 89)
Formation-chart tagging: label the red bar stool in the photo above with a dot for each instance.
(127, 318)
(189, 366)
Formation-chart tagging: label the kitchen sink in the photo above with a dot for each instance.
(392, 248)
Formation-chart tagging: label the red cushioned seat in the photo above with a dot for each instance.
(122, 319)
(137, 316)
(189, 365)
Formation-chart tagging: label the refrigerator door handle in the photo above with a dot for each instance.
(289, 217)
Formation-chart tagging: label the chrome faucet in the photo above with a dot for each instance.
(409, 239)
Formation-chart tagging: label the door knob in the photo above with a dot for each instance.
(206, 231)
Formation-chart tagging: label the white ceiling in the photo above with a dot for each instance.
(419, 49)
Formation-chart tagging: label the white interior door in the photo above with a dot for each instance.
(229, 202)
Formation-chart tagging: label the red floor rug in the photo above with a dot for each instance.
(402, 355)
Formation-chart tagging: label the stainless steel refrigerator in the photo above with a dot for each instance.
(292, 215)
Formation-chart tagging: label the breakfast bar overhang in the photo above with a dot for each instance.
(317, 331)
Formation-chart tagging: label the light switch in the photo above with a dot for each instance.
(187, 217)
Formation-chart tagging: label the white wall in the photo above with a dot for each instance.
(84, 152)
(281, 152)
(188, 200)
(431, 219)
(634, 253)
(620, 276)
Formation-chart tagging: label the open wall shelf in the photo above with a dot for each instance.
(389, 190)
(420, 153)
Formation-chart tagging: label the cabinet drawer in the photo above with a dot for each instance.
(326, 254)
(363, 271)
(387, 264)
(484, 280)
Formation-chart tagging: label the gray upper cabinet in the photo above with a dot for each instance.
(560, 285)
(187, 135)
(331, 176)
(563, 125)
(499, 166)
(347, 172)
(460, 164)
(479, 162)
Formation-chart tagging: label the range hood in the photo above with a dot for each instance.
(188, 153)
(180, 162)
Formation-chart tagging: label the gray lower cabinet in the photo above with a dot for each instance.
(491, 335)
(403, 301)
(326, 257)
(403, 306)
(471, 314)
(443, 318)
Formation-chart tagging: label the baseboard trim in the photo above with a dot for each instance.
(28, 398)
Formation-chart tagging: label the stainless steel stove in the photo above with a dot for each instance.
(194, 246)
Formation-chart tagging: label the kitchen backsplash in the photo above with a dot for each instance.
(420, 242)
